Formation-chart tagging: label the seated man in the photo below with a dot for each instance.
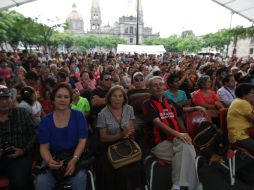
(16, 139)
(166, 140)
(227, 92)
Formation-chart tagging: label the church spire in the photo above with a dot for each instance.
(95, 21)
(95, 4)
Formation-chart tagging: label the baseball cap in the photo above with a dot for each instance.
(4, 91)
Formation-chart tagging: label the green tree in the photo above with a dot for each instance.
(237, 33)
(187, 33)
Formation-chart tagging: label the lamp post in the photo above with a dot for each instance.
(137, 32)
(230, 26)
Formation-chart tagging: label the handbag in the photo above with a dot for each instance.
(123, 153)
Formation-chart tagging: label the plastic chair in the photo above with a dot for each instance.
(4, 182)
(193, 118)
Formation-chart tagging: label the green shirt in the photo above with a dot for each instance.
(82, 105)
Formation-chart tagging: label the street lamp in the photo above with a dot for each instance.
(137, 32)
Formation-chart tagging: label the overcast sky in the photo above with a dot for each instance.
(165, 16)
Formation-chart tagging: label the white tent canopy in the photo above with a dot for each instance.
(244, 8)
(6, 4)
(141, 49)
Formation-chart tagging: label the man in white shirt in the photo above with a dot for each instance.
(227, 91)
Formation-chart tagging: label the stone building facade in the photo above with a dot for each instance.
(125, 27)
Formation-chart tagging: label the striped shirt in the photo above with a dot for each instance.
(19, 130)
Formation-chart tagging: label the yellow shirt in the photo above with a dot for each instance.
(237, 121)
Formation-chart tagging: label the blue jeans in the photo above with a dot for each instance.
(46, 181)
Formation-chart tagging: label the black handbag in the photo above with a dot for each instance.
(123, 153)
(210, 140)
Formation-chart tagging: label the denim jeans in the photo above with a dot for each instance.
(46, 181)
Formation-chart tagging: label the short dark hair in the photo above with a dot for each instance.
(243, 89)
(62, 74)
(171, 78)
(103, 74)
(65, 85)
(31, 75)
(227, 78)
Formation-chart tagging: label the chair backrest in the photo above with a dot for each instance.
(193, 118)
(223, 120)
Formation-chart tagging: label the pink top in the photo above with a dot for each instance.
(90, 85)
(198, 98)
(6, 73)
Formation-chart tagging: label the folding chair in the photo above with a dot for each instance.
(155, 165)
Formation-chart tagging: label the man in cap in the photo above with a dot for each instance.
(17, 137)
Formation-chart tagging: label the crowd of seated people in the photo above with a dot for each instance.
(87, 101)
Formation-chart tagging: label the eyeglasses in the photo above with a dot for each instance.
(108, 79)
(139, 79)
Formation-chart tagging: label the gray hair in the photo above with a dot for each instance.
(150, 81)
(202, 80)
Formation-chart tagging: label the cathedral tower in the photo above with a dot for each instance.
(95, 22)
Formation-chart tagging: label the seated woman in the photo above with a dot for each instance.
(86, 81)
(116, 122)
(62, 130)
(240, 117)
(173, 93)
(207, 98)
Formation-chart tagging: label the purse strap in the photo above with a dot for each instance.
(211, 140)
(120, 123)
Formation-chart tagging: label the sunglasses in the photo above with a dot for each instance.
(138, 79)
(107, 79)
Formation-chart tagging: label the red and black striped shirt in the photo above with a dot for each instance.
(167, 111)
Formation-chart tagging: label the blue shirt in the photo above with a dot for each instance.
(181, 96)
(61, 139)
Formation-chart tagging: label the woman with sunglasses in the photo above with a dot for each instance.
(62, 131)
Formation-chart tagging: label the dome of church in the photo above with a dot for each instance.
(74, 15)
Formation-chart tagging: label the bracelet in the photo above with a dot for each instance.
(76, 157)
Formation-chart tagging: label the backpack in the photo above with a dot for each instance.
(210, 140)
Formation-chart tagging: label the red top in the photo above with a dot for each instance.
(198, 98)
